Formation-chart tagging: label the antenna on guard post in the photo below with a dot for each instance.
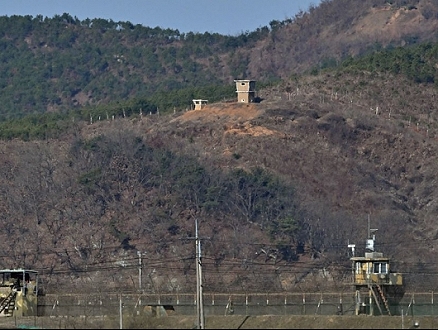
(370, 240)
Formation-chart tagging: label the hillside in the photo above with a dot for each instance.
(335, 30)
(279, 187)
(61, 64)
(86, 203)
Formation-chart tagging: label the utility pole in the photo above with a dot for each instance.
(199, 285)
(199, 291)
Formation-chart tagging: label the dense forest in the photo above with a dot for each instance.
(52, 63)
(62, 64)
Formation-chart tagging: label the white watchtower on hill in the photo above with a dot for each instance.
(245, 90)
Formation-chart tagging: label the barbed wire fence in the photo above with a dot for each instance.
(105, 304)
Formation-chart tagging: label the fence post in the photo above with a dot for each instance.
(340, 307)
(413, 304)
(321, 300)
(120, 312)
(402, 319)
(195, 303)
(56, 303)
(229, 309)
(285, 305)
(304, 304)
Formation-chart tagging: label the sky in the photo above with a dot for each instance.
(227, 17)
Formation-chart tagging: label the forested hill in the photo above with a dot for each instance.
(61, 63)
(111, 163)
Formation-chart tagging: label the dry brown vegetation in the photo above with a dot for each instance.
(317, 156)
(83, 205)
(333, 30)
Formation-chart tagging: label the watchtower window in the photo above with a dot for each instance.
(380, 268)
(358, 268)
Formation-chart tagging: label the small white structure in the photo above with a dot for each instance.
(199, 104)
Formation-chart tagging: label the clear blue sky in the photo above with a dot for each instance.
(228, 17)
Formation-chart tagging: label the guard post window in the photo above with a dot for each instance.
(380, 268)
